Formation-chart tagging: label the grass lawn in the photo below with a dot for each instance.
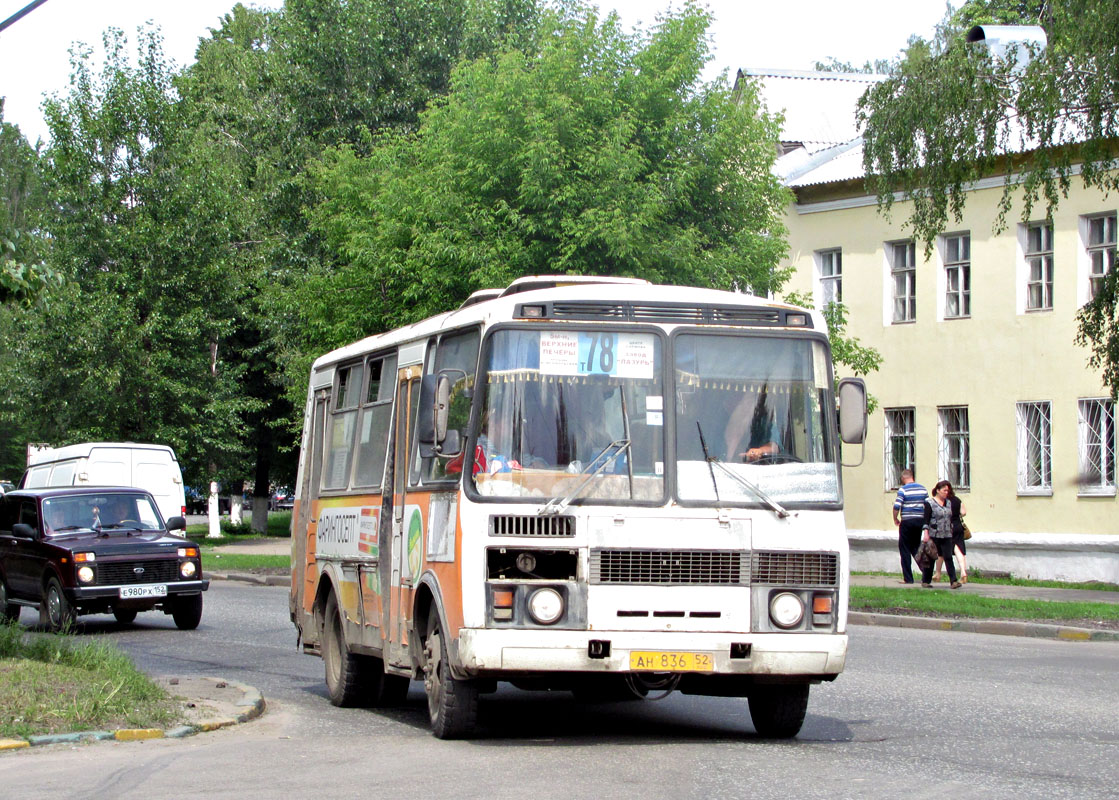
(977, 576)
(946, 603)
(52, 684)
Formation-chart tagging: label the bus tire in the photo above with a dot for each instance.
(778, 710)
(344, 670)
(452, 704)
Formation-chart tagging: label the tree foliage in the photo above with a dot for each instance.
(953, 114)
(125, 349)
(598, 152)
(23, 273)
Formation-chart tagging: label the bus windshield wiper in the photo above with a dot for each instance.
(615, 449)
(753, 488)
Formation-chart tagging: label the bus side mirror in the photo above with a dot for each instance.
(435, 407)
(852, 410)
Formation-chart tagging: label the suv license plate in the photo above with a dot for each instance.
(671, 661)
(155, 590)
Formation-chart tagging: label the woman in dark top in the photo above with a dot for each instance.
(938, 527)
(959, 510)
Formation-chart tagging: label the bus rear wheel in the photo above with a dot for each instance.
(778, 710)
(452, 704)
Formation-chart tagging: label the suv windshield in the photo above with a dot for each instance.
(563, 408)
(763, 407)
(101, 511)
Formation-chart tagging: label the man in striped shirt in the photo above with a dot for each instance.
(909, 515)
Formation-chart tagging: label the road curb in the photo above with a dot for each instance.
(260, 580)
(997, 627)
(252, 701)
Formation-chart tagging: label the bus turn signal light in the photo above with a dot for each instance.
(821, 604)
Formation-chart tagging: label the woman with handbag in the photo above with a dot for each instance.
(938, 528)
(959, 546)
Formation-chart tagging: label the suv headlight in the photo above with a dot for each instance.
(188, 569)
(85, 574)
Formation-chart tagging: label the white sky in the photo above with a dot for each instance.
(34, 52)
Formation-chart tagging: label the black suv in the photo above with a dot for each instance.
(95, 550)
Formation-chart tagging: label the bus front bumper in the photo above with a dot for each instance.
(482, 651)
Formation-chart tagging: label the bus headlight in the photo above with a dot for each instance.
(85, 574)
(786, 610)
(545, 606)
(187, 569)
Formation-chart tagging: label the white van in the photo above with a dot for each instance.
(153, 467)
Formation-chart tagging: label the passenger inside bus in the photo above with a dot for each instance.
(752, 432)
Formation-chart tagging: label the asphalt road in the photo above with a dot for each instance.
(917, 714)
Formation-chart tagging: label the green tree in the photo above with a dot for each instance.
(953, 114)
(599, 152)
(23, 274)
(130, 346)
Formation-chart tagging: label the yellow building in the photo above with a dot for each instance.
(982, 382)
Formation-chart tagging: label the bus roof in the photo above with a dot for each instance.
(493, 305)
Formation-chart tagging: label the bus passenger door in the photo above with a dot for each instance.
(400, 584)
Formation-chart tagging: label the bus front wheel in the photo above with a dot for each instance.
(778, 710)
(452, 704)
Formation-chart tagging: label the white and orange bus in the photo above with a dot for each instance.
(592, 484)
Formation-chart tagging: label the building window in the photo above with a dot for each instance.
(903, 270)
(1039, 263)
(901, 440)
(955, 446)
(957, 275)
(1097, 446)
(829, 267)
(1035, 464)
(1101, 250)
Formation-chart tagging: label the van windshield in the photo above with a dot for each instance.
(104, 511)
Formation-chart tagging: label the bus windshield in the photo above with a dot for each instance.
(761, 407)
(568, 413)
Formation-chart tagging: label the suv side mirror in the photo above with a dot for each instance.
(176, 524)
(23, 530)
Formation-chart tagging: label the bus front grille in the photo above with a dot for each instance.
(670, 567)
(795, 569)
(532, 525)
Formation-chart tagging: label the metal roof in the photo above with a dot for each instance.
(819, 107)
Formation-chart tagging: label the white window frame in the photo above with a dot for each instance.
(901, 427)
(1035, 448)
(1099, 234)
(956, 248)
(902, 260)
(954, 436)
(829, 276)
(1096, 445)
(1039, 266)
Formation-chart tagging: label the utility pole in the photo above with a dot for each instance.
(23, 12)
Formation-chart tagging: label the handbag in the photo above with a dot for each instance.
(927, 554)
(967, 531)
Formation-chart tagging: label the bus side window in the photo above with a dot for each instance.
(340, 437)
(376, 416)
(457, 351)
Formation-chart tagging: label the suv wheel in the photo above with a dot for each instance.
(55, 610)
(187, 612)
(9, 612)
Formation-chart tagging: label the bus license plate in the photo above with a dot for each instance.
(155, 590)
(671, 661)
